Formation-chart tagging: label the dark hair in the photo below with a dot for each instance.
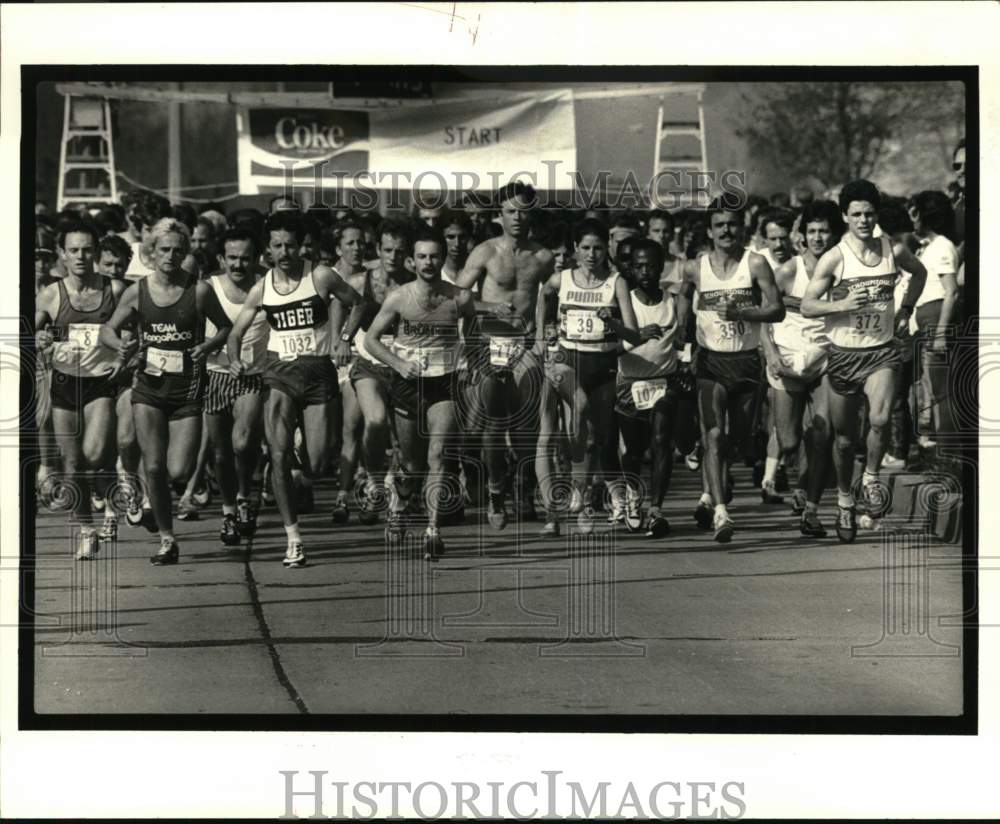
(660, 214)
(644, 244)
(722, 204)
(936, 212)
(819, 210)
(185, 214)
(347, 224)
(590, 226)
(397, 229)
(117, 246)
(290, 198)
(149, 209)
(246, 217)
(204, 221)
(859, 190)
(426, 234)
(558, 235)
(284, 221)
(459, 219)
(781, 217)
(321, 214)
(45, 238)
(894, 218)
(626, 221)
(239, 233)
(327, 244)
(514, 189)
(69, 227)
(111, 218)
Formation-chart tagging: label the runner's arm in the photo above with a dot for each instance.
(209, 307)
(384, 321)
(548, 288)
(813, 305)
(333, 285)
(124, 313)
(918, 275)
(772, 310)
(626, 327)
(467, 313)
(784, 277)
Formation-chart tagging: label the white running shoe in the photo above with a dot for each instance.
(294, 556)
(88, 545)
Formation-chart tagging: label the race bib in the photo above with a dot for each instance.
(584, 325)
(294, 343)
(247, 354)
(505, 351)
(432, 362)
(164, 361)
(647, 393)
(83, 335)
(730, 329)
(867, 322)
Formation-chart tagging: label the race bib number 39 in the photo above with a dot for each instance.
(647, 393)
(584, 325)
(164, 361)
(83, 335)
(505, 351)
(296, 342)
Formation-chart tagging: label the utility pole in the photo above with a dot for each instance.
(174, 150)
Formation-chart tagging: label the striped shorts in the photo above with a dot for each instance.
(224, 389)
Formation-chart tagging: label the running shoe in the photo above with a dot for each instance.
(246, 517)
(617, 513)
(798, 502)
(109, 529)
(723, 526)
(203, 495)
(87, 546)
(550, 530)
(133, 508)
(395, 530)
(585, 520)
(340, 513)
(230, 532)
(433, 545)
(576, 501)
(703, 515)
(632, 516)
(187, 510)
(769, 495)
(97, 503)
(148, 518)
(496, 511)
(810, 525)
(368, 511)
(294, 556)
(847, 525)
(658, 527)
(876, 499)
(889, 461)
(693, 458)
(168, 554)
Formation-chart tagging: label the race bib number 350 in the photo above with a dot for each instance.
(584, 325)
(164, 361)
(647, 393)
(730, 329)
(296, 342)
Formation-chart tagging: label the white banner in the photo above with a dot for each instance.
(460, 145)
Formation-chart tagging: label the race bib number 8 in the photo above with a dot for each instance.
(584, 325)
(504, 351)
(164, 361)
(647, 393)
(296, 342)
(83, 335)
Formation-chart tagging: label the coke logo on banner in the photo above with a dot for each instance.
(308, 133)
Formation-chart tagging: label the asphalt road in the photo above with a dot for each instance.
(506, 622)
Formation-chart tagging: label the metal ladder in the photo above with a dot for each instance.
(682, 158)
(87, 155)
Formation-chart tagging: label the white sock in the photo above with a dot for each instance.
(868, 478)
(844, 500)
(293, 534)
(770, 469)
(228, 510)
(721, 509)
(705, 498)
(166, 537)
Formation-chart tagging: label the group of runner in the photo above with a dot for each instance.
(594, 350)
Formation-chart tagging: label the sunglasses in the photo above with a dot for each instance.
(958, 166)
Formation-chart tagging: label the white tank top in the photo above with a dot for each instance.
(872, 324)
(254, 340)
(652, 358)
(299, 321)
(579, 327)
(712, 331)
(796, 332)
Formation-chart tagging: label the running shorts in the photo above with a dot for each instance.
(677, 384)
(737, 372)
(364, 369)
(592, 369)
(308, 380)
(412, 397)
(224, 389)
(850, 368)
(74, 393)
(176, 396)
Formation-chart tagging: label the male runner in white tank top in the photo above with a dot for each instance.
(859, 273)
(796, 354)
(234, 400)
(428, 316)
(298, 372)
(734, 292)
